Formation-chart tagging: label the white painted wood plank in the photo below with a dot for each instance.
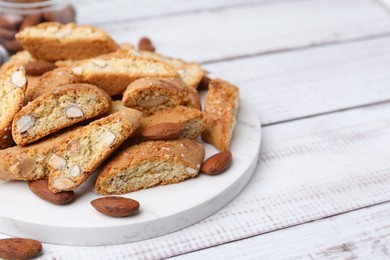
(245, 30)
(98, 12)
(311, 81)
(309, 169)
(385, 3)
(362, 234)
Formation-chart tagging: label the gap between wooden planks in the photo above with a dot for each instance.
(305, 83)
(310, 170)
(248, 30)
(125, 11)
(361, 234)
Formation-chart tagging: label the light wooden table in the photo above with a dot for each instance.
(318, 74)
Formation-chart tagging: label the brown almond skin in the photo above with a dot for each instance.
(19, 248)
(204, 83)
(145, 44)
(30, 20)
(41, 189)
(65, 15)
(37, 68)
(12, 45)
(163, 131)
(10, 21)
(7, 34)
(115, 206)
(217, 163)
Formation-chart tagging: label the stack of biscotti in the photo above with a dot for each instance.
(74, 101)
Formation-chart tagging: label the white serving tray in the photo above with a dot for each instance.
(164, 209)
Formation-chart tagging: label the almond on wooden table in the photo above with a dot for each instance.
(115, 206)
(217, 163)
(41, 189)
(19, 248)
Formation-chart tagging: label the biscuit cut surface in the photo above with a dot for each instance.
(13, 84)
(149, 164)
(113, 74)
(191, 120)
(76, 159)
(220, 111)
(53, 41)
(56, 110)
(153, 94)
(30, 162)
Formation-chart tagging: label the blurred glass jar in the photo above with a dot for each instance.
(15, 15)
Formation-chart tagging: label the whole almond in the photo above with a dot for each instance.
(41, 189)
(145, 44)
(30, 20)
(10, 21)
(163, 131)
(19, 248)
(115, 206)
(217, 163)
(204, 83)
(12, 45)
(37, 68)
(64, 15)
(7, 34)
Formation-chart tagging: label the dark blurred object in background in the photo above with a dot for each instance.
(15, 15)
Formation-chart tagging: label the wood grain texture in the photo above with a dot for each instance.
(261, 28)
(312, 169)
(384, 3)
(362, 234)
(303, 83)
(99, 12)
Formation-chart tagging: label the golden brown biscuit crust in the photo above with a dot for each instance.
(178, 159)
(30, 162)
(220, 111)
(53, 41)
(13, 84)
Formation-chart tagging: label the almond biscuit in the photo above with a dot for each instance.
(56, 110)
(150, 164)
(220, 111)
(13, 84)
(78, 157)
(53, 41)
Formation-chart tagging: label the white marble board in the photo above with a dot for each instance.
(163, 210)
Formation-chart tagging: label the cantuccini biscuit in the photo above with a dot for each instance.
(190, 120)
(153, 94)
(30, 162)
(190, 72)
(13, 84)
(220, 111)
(53, 41)
(21, 57)
(76, 159)
(34, 85)
(51, 80)
(116, 106)
(149, 164)
(114, 74)
(56, 110)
